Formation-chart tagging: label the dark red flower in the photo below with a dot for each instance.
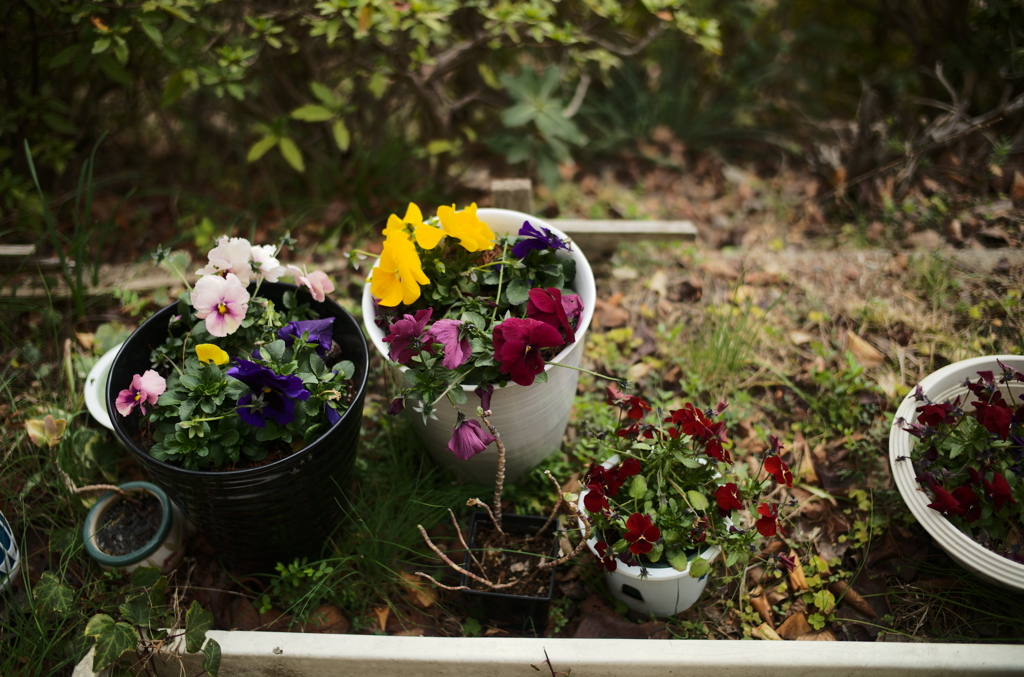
(999, 491)
(397, 406)
(691, 421)
(774, 465)
(936, 414)
(406, 336)
(714, 449)
(945, 502)
(605, 557)
(787, 563)
(484, 392)
(518, 344)
(641, 534)
(767, 524)
(545, 305)
(996, 418)
(595, 501)
(729, 499)
(969, 503)
(776, 445)
(974, 475)
(468, 438)
(616, 476)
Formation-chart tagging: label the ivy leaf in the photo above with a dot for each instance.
(292, 154)
(53, 595)
(260, 148)
(197, 621)
(312, 113)
(112, 639)
(211, 657)
(137, 610)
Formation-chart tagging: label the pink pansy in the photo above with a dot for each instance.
(468, 438)
(266, 263)
(145, 389)
(317, 282)
(222, 302)
(231, 255)
(456, 351)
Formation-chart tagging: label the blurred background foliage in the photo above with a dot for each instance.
(284, 106)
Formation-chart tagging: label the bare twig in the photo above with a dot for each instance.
(558, 503)
(452, 564)
(440, 584)
(577, 99)
(463, 540)
(477, 503)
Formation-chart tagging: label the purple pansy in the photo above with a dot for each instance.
(456, 350)
(272, 395)
(406, 335)
(484, 393)
(468, 438)
(320, 333)
(532, 238)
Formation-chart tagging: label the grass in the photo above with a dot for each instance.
(773, 348)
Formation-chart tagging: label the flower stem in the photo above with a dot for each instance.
(499, 475)
(621, 381)
(501, 277)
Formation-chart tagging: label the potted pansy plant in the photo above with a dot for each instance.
(670, 500)
(244, 402)
(474, 307)
(957, 450)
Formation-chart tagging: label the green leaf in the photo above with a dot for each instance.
(137, 610)
(153, 32)
(52, 594)
(517, 292)
(121, 50)
(112, 639)
(679, 561)
(100, 45)
(312, 113)
(197, 621)
(325, 95)
(438, 146)
(341, 135)
(699, 567)
(65, 56)
(824, 600)
(291, 154)
(173, 90)
(211, 657)
(260, 148)
(697, 500)
(518, 115)
(816, 621)
(637, 487)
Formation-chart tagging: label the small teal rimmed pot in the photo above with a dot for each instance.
(9, 560)
(163, 550)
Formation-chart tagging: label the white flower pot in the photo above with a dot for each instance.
(664, 591)
(9, 559)
(532, 419)
(940, 386)
(96, 387)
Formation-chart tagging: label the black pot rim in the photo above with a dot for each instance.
(269, 468)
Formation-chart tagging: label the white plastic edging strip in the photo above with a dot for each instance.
(275, 654)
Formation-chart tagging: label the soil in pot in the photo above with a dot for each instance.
(501, 556)
(129, 525)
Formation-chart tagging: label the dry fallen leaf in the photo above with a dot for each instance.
(797, 581)
(843, 591)
(800, 337)
(417, 592)
(719, 268)
(765, 631)
(823, 636)
(795, 626)
(763, 607)
(382, 617)
(1017, 191)
(865, 353)
(659, 283)
(86, 339)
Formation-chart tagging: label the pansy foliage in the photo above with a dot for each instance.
(240, 377)
(970, 457)
(674, 490)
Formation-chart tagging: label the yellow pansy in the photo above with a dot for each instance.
(427, 236)
(473, 234)
(207, 352)
(398, 275)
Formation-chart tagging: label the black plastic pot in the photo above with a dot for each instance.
(524, 611)
(273, 513)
